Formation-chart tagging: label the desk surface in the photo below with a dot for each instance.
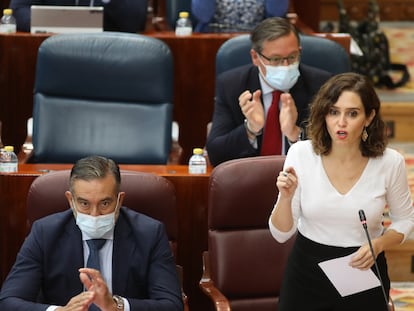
(162, 170)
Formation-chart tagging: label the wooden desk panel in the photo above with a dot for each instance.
(17, 66)
(191, 194)
(400, 116)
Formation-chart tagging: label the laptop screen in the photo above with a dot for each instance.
(65, 19)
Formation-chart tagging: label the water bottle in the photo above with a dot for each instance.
(8, 160)
(8, 22)
(197, 163)
(183, 27)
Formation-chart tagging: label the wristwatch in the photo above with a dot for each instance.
(119, 302)
(246, 125)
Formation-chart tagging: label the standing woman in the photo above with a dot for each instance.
(343, 168)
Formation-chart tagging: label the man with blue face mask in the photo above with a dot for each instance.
(260, 108)
(97, 255)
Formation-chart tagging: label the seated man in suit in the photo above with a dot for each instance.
(244, 97)
(234, 15)
(119, 15)
(59, 268)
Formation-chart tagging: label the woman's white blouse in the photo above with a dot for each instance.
(326, 216)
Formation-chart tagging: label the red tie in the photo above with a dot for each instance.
(272, 137)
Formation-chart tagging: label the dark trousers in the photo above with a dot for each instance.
(306, 287)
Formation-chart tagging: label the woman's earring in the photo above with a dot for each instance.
(364, 136)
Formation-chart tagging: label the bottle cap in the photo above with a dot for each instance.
(183, 14)
(7, 12)
(9, 148)
(197, 151)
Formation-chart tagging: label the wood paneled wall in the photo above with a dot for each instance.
(4, 4)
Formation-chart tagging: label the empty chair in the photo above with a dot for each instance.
(244, 265)
(108, 94)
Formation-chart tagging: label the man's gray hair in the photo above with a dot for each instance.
(271, 29)
(94, 167)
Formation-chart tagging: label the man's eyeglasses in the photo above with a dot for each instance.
(280, 61)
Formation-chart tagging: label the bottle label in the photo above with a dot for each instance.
(183, 31)
(7, 28)
(8, 167)
(197, 169)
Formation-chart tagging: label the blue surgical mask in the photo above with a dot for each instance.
(281, 78)
(95, 227)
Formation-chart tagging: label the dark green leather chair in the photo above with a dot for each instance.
(108, 94)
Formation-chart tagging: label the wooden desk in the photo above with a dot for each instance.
(400, 116)
(191, 193)
(194, 76)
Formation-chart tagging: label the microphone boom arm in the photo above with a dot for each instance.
(364, 224)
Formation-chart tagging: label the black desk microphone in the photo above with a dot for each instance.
(364, 224)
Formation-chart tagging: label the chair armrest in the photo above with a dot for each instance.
(25, 153)
(175, 153)
(344, 39)
(391, 304)
(26, 150)
(158, 15)
(183, 294)
(206, 284)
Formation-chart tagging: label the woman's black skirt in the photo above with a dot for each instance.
(306, 287)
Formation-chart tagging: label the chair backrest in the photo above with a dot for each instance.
(316, 51)
(246, 263)
(146, 193)
(174, 7)
(109, 94)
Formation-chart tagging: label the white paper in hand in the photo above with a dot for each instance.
(348, 280)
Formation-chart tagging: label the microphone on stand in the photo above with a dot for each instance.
(364, 224)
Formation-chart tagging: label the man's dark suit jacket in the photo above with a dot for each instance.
(143, 267)
(227, 139)
(119, 15)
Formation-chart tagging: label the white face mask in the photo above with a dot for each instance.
(95, 227)
(282, 78)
